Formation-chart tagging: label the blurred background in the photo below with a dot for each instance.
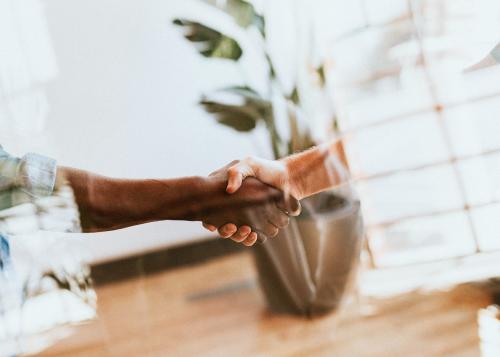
(410, 89)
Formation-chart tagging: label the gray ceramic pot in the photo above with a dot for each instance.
(305, 269)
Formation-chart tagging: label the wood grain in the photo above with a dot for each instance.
(215, 309)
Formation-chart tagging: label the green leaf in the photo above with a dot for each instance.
(241, 117)
(294, 96)
(260, 23)
(252, 99)
(243, 12)
(210, 42)
(320, 71)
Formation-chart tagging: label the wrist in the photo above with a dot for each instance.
(205, 192)
(292, 181)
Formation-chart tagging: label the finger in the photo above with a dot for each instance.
(270, 230)
(209, 227)
(242, 233)
(261, 238)
(237, 239)
(279, 219)
(275, 216)
(251, 239)
(227, 230)
(234, 180)
(237, 173)
(223, 169)
(289, 205)
(257, 218)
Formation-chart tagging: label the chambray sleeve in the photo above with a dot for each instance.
(33, 174)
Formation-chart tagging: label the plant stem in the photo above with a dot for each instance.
(275, 139)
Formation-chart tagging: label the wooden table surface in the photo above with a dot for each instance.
(215, 309)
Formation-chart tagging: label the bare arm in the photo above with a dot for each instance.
(108, 203)
(314, 170)
(301, 175)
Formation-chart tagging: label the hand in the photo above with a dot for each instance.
(272, 172)
(300, 175)
(256, 211)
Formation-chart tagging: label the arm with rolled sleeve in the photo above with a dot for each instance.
(22, 180)
(106, 203)
(26, 178)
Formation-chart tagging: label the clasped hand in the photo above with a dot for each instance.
(256, 208)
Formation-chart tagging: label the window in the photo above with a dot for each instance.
(421, 127)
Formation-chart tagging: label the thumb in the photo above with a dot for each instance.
(289, 205)
(234, 180)
(236, 174)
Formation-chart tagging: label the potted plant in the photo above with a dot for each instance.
(306, 268)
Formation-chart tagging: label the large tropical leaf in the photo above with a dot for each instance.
(210, 42)
(241, 117)
(238, 117)
(243, 12)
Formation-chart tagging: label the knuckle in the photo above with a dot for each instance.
(272, 231)
(285, 221)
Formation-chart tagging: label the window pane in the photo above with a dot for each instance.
(410, 193)
(396, 145)
(474, 128)
(386, 98)
(487, 227)
(422, 239)
(457, 87)
(481, 178)
(372, 80)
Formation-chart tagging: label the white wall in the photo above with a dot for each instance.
(112, 87)
(124, 104)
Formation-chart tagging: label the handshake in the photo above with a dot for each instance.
(246, 200)
(261, 195)
(259, 199)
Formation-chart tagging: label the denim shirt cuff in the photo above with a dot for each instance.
(37, 175)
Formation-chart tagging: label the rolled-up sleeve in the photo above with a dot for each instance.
(32, 174)
(37, 175)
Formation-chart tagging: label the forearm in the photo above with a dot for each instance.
(107, 203)
(314, 170)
